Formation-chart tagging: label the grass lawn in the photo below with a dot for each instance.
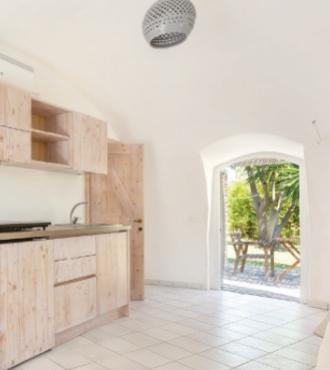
(283, 258)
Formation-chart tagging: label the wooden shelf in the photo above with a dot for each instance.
(46, 136)
(43, 165)
(50, 166)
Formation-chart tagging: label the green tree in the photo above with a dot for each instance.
(275, 193)
(241, 213)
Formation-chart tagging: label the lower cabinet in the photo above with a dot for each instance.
(26, 301)
(113, 271)
(75, 303)
(48, 287)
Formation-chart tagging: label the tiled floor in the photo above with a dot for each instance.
(179, 329)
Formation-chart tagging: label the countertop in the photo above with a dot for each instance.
(63, 231)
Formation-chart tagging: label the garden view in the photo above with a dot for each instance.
(263, 228)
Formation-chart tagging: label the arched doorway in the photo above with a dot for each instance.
(236, 149)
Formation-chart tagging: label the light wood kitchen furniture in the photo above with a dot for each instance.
(15, 108)
(26, 301)
(118, 198)
(113, 286)
(39, 135)
(54, 290)
(90, 153)
(15, 145)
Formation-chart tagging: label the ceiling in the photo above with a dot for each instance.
(247, 66)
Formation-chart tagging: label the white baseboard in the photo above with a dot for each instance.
(175, 284)
(318, 304)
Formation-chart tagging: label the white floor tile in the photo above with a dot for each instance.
(67, 359)
(147, 358)
(119, 345)
(254, 366)
(224, 357)
(140, 340)
(202, 363)
(259, 344)
(182, 329)
(39, 363)
(282, 363)
(243, 350)
(189, 345)
(169, 351)
(173, 366)
(208, 339)
(162, 334)
(90, 367)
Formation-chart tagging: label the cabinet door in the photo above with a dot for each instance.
(112, 271)
(75, 303)
(27, 301)
(15, 108)
(90, 150)
(15, 145)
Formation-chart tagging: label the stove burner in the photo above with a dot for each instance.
(10, 227)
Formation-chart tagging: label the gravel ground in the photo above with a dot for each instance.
(255, 275)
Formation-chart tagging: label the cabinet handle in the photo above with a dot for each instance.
(139, 221)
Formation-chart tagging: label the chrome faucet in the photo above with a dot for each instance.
(74, 220)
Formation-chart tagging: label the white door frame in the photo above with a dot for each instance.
(216, 237)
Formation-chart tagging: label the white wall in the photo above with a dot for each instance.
(248, 67)
(33, 195)
(27, 194)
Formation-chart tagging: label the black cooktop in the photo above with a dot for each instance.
(7, 227)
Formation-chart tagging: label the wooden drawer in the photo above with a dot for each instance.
(71, 248)
(75, 303)
(72, 269)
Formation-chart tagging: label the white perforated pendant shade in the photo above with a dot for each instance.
(169, 22)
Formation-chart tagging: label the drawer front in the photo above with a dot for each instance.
(75, 303)
(71, 248)
(72, 269)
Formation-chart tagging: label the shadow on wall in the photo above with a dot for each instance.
(234, 149)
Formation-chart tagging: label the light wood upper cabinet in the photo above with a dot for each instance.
(89, 140)
(48, 137)
(112, 274)
(15, 108)
(15, 145)
(26, 301)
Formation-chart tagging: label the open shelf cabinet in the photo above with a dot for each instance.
(51, 135)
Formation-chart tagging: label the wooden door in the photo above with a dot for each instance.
(26, 301)
(112, 274)
(89, 144)
(118, 198)
(15, 108)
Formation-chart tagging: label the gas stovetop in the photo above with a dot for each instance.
(8, 227)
